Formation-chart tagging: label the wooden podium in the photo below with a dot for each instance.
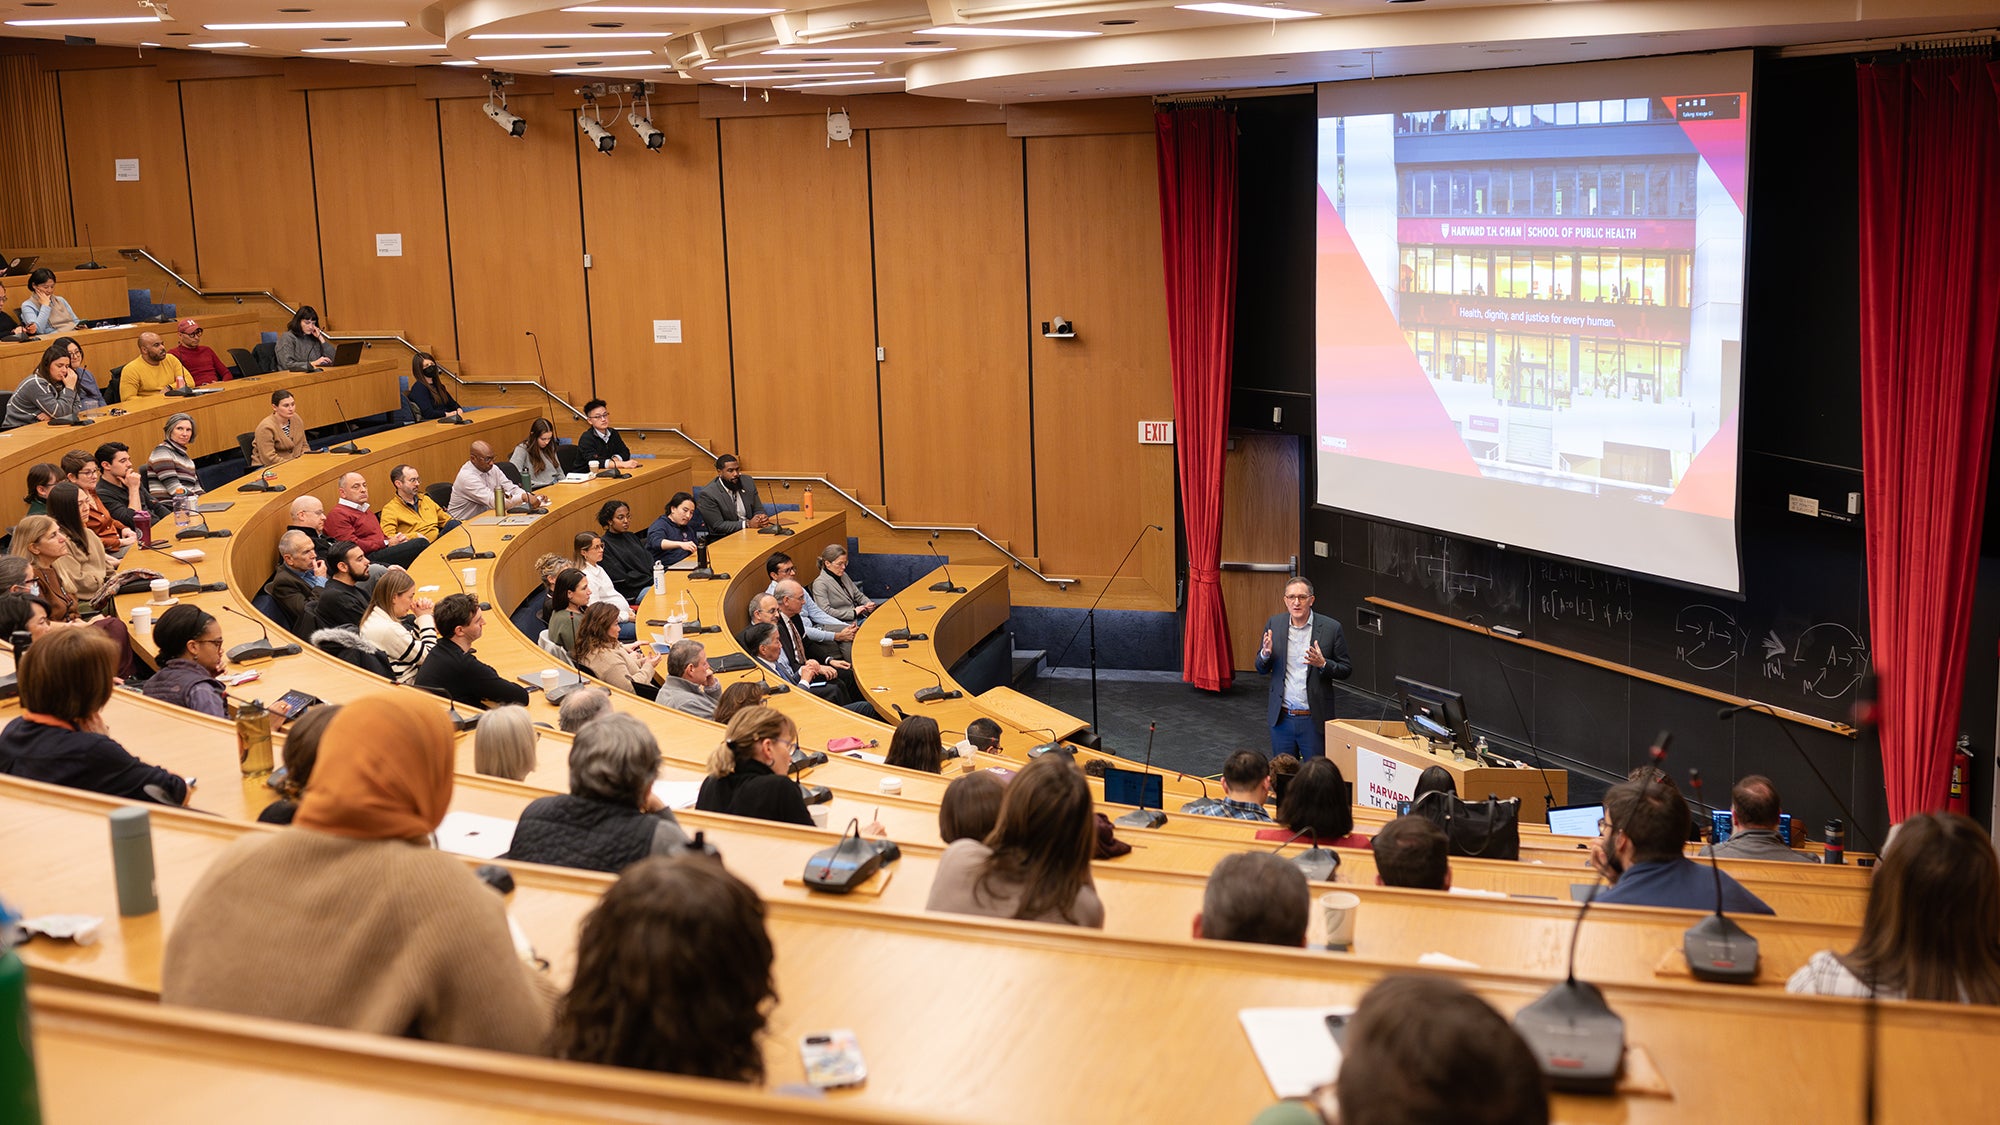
(1350, 742)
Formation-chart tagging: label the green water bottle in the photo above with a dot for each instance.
(18, 1100)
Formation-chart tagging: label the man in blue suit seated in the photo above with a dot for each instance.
(761, 640)
(1645, 823)
(1303, 653)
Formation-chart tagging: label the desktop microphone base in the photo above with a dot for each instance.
(1142, 818)
(932, 695)
(945, 588)
(1720, 951)
(350, 447)
(1051, 748)
(904, 636)
(260, 486)
(1576, 1038)
(203, 533)
(260, 650)
(775, 529)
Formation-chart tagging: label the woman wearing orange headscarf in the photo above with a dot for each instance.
(350, 919)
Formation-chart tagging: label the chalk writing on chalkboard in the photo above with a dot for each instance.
(1452, 581)
(1706, 637)
(1830, 659)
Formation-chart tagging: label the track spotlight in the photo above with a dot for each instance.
(648, 132)
(515, 126)
(595, 130)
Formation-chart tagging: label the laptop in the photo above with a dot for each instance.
(1575, 820)
(348, 353)
(211, 507)
(20, 267)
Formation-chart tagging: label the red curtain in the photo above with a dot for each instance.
(1197, 156)
(1930, 317)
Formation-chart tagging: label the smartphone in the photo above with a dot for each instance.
(833, 1059)
(1785, 829)
(1725, 825)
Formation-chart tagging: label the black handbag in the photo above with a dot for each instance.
(1489, 829)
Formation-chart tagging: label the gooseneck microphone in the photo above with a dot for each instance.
(1143, 817)
(191, 585)
(540, 367)
(459, 722)
(904, 633)
(933, 694)
(259, 649)
(1759, 705)
(1316, 862)
(470, 550)
(348, 446)
(947, 586)
(263, 483)
(92, 243)
(202, 532)
(1199, 780)
(460, 579)
(1717, 949)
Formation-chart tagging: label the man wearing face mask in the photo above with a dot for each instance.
(729, 503)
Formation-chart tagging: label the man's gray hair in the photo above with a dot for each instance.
(293, 542)
(684, 655)
(581, 706)
(614, 758)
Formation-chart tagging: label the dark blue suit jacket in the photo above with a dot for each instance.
(1319, 681)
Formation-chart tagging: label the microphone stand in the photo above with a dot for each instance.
(1090, 619)
(947, 586)
(348, 446)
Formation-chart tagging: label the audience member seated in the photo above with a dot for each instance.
(410, 514)
(297, 584)
(1412, 851)
(672, 537)
(48, 392)
(302, 737)
(44, 309)
(761, 641)
(452, 669)
(690, 685)
(155, 370)
(40, 541)
(917, 745)
(1035, 865)
(1434, 779)
(121, 486)
(729, 503)
(170, 473)
(567, 600)
(736, 697)
(86, 567)
(673, 974)
(12, 331)
(746, 772)
(589, 558)
(1421, 1050)
(1255, 897)
(1645, 825)
(599, 652)
(1318, 802)
(309, 516)
(342, 601)
(827, 637)
(601, 443)
(1932, 927)
(20, 611)
(610, 818)
(190, 651)
(280, 436)
(428, 393)
(42, 476)
(581, 706)
(970, 807)
(626, 559)
(60, 737)
(80, 469)
(982, 735)
(504, 743)
(1246, 785)
(479, 484)
(89, 394)
(835, 592)
(350, 519)
(366, 926)
(302, 346)
(795, 633)
(1754, 811)
(201, 361)
(535, 458)
(387, 624)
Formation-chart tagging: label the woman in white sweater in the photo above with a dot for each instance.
(590, 560)
(396, 598)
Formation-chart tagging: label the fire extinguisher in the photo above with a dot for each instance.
(1959, 799)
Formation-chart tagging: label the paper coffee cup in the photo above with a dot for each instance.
(160, 586)
(1337, 910)
(888, 647)
(142, 617)
(470, 575)
(892, 785)
(820, 813)
(551, 679)
(593, 466)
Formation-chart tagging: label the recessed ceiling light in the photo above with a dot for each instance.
(593, 63)
(608, 24)
(338, 25)
(778, 76)
(39, 4)
(555, 46)
(1503, 50)
(818, 51)
(335, 39)
(372, 50)
(921, 42)
(607, 70)
(83, 21)
(293, 11)
(1009, 32)
(464, 62)
(1117, 23)
(576, 35)
(215, 46)
(1250, 11)
(572, 55)
(790, 66)
(850, 82)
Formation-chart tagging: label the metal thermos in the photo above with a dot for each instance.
(132, 861)
(1836, 842)
(253, 739)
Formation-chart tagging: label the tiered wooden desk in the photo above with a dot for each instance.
(106, 348)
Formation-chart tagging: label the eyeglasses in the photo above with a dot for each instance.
(600, 416)
(1298, 597)
(196, 332)
(216, 641)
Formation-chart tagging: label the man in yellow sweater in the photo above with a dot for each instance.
(154, 371)
(411, 512)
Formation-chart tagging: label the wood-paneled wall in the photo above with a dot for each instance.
(944, 236)
(34, 178)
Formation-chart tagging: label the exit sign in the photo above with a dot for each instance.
(1156, 433)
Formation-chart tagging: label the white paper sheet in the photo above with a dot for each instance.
(677, 794)
(463, 833)
(1293, 1046)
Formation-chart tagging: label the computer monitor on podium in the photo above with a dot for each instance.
(1434, 712)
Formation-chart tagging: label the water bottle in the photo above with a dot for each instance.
(253, 739)
(1480, 751)
(142, 524)
(132, 861)
(18, 1100)
(659, 580)
(182, 515)
(1836, 842)
(806, 506)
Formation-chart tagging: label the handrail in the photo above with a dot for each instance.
(856, 502)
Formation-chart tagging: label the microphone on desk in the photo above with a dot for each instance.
(776, 526)
(763, 674)
(1143, 817)
(1318, 864)
(456, 577)
(933, 694)
(904, 633)
(800, 762)
(702, 572)
(348, 446)
(1577, 1040)
(92, 243)
(263, 483)
(191, 585)
(261, 649)
(1200, 780)
(202, 532)
(470, 550)
(539, 365)
(1052, 746)
(1717, 949)
(946, 586)
(459, 722)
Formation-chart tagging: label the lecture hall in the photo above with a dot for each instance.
(1324, 561)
